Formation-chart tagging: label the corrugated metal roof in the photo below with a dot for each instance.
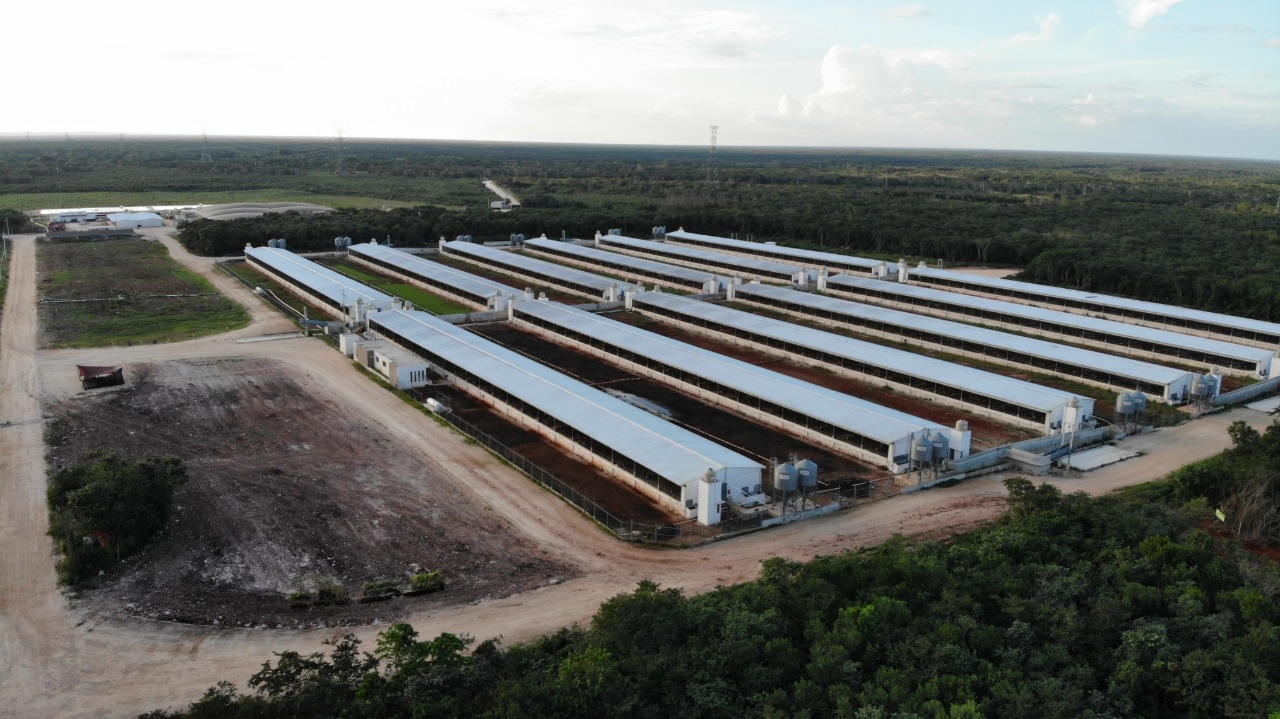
(1123, 366)
(319, 279)
(1066, 319)
(830, 259)
(1154, 308)
(523, 263)
(1008, 389)
(836, 408)
(696, 255)
(443, 274)
(667, 449)
(640, 264)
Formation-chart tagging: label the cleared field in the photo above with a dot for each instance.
(287, 491)
(95, 294)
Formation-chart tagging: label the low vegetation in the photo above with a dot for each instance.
(1066, 607)
(106, 509)
(117, 292)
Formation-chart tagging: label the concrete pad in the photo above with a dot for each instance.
(1269, 405)
(1091, 459)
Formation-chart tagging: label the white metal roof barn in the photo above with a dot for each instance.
(819, 415)
(1108, 335)
(533, 269)
(434, 277)
(669, 461)
(330, 291)
(639, 268)
(1151, 314)
(1003, 398)
(1088, 366)
(805, 258)
(748, 267)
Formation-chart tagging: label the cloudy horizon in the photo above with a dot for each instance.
(1168, 77)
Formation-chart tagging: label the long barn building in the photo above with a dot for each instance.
(537, 271)
(333, 293)
(812, 259)
(637, 269)
(1108, 335)
(1088, 366)
(730, 265)
(685, 471)
(1149, 314)
(434, 277)
(1001, 398)
(824, 417)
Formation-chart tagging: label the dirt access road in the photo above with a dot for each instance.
(55, 661)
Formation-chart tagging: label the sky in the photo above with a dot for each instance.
(1173, 77)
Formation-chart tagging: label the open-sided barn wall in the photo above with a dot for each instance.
(665, 461)
(434, 277)
(811, 259)
(1107, 335)
(1004, 399)
(637, 269)
(732, 265)
(851, 426)
(1257, 333)
(1088, 366)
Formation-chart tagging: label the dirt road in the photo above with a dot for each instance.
(58, 662)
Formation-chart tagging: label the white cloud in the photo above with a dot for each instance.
(1048, 26)
(1141, 12)
(904, 11)
(1274, 42)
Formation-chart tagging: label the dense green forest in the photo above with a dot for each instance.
(106, 509)
(1067, 607)
(1196, 232)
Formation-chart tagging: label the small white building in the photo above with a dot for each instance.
(402, 369)
(134, 220)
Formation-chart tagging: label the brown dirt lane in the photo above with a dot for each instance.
(55, 661)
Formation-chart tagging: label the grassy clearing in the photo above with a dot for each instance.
(421, 299)
(132, 293)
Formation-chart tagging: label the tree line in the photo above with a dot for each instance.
(1066, 607)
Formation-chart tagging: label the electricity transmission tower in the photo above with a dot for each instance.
(713, 172)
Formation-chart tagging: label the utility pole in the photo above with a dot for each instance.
(205, 155)
(713, 172)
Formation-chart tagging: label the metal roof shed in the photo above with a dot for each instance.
(331, 291)
(1089, 366)
(433, 276)
(1109, 335)
(805, 258)
(1151, 314)
(832, 419)
(1005, 398)
(536, 270)
(670, 462)
(638, 267)
(749, 267)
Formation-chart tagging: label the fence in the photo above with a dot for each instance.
(627, 529)
(266, 294)
(1244, 394)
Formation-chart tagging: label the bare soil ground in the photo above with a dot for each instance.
(285, 490)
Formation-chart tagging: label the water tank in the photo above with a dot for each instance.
(1139, 402)
(1200, 387)
(280, 243)
(1212, 383)
(921, 449)
(337, 242)
(1124, 404)
(941, 445)
(785, 478)
(808, 471)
